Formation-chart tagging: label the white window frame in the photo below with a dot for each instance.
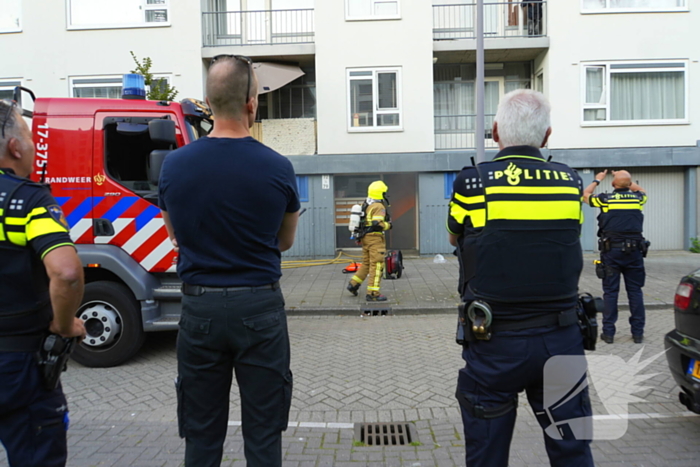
(9, 84)
(643, 66)
(631, 9)
(19, 26)
(373, 17)
(375, 100)
(144, 8)
(117, 83)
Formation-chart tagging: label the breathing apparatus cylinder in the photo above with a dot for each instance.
(356, 215)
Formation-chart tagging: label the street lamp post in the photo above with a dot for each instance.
(480, 150)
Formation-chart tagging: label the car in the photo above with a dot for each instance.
(683, 343)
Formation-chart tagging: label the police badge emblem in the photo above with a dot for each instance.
(57, 214)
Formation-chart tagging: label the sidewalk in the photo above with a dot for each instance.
(428, 287)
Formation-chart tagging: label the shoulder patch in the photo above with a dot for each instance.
(56, 214)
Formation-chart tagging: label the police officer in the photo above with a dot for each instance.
(41, 286)
(523, 290)
(377, 222)
(622, 248)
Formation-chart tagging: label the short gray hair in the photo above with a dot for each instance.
(523, 118)
(227, 84)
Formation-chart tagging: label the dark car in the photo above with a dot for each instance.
(683, 343)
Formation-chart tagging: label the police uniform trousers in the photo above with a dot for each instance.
(496, 371)
(373, 255)
(241, 331)
(33, 420)
(631, 265)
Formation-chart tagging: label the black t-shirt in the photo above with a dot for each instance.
(32, 225)
(226, 199)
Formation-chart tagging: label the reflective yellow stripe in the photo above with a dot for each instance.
(532, 190)
(54, 247)
(596, 202)
(357, 280)
(470, 199)
(2, 233)
(45, 226)
(24, 220)
(458, 213)
(478, 217)
(18, 238)
(377, 218)
(377, 276)
(534, 210)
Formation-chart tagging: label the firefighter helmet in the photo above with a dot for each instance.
(377, 190)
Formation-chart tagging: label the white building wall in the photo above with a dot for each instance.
(576, 38)
(45, 54)
(405, 43)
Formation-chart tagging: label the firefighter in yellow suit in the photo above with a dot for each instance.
(376, 222)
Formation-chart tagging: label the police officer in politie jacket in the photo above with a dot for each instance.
(622, 248)
(41, 286)
(377, 221)
(521, 276)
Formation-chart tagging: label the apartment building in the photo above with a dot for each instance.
(388, 91)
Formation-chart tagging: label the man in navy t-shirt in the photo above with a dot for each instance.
(230, 205)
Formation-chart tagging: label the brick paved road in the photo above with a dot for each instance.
(351, 369)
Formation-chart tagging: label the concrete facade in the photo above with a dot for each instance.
(49, 54)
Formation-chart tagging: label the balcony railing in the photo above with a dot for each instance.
(264, 27)
(459, 131)
(501, 19)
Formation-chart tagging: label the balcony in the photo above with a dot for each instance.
(459, 132)
(502, 19)
(265, 27)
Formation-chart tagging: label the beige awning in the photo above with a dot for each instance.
(272, 76)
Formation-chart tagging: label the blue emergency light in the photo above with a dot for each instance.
(133, 86)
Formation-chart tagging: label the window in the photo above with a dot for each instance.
(107, 87)
(449, 182)
(374, 97)
(621, 6)
(7, 89)
(371, 9)
(634, 93)
(10, 16)
(127, 146)
(97, 14)
(539, 82)
(303, 188)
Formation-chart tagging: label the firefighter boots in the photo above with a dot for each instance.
(353, 288)
(375, 298)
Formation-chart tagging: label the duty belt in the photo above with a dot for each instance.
(563, 319)
(197, 290)
(30, 343)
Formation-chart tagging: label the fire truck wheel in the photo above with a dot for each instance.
(113, 323)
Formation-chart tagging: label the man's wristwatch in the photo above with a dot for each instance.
(596, 181)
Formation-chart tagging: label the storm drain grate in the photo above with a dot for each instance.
(376, 311)
(384, 434)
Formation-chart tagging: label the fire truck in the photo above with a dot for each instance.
(101, 159)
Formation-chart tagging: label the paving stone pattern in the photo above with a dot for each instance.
(349, 369)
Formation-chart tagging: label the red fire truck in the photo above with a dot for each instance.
(102, 158)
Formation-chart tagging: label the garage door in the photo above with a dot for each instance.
(663, 213)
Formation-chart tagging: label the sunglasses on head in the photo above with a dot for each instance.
(242, 58)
